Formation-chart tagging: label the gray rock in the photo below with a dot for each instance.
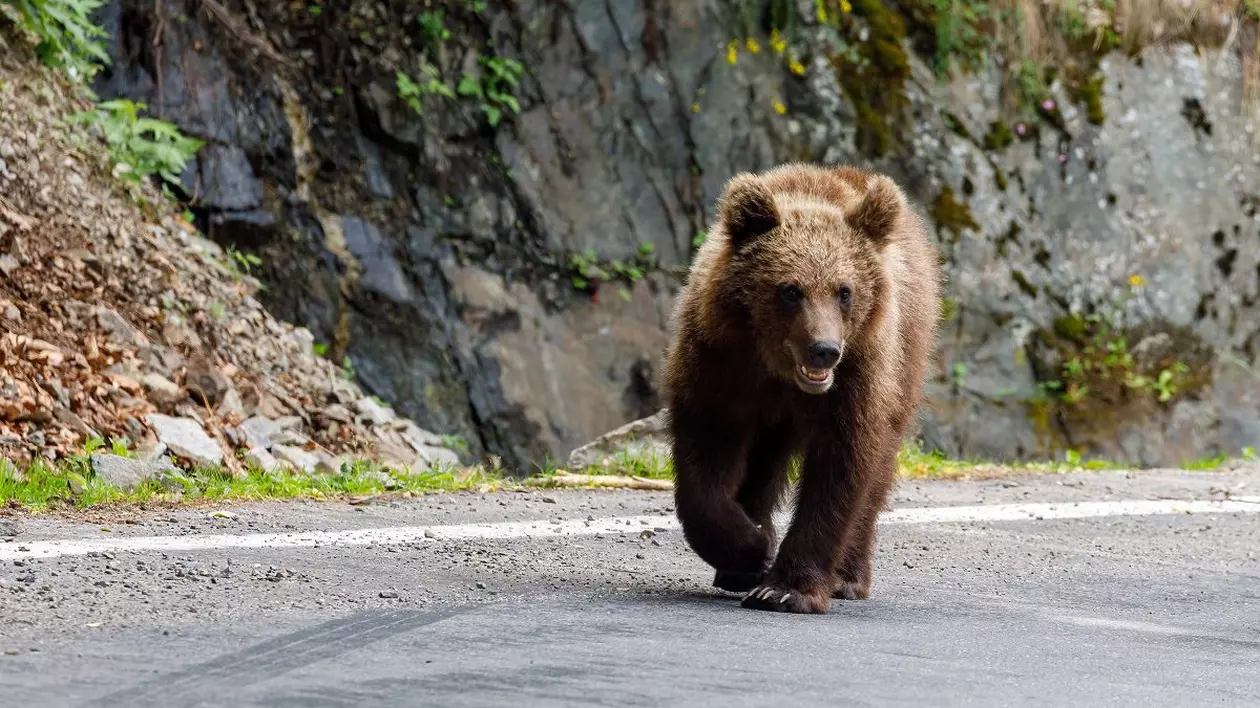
(428, 457)
(262, 433)
(151, 452)
(232, 406)
(12, 314)
(72, 420)
(163, 392)
(373, 412)
(10, 527)
(328, 464)
(301, 460)
(418, 437)
(642, 438)
(339, 413)
(186, 438)
(118, 328)
(290, 423)
(206, 384)
(226, 179)
(381, 270)
(262, 459)
(127, 473)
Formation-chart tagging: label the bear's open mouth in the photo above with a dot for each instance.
(815, 375)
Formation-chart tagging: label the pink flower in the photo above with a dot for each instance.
(1020, 128)
(1048, 104)
(1062, 157)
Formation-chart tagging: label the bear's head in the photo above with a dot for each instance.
(809, 270)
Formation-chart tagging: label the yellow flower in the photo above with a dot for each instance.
(752, 45)
(777, 43)
(731, 52)
(845, 7)
(797, 68)
(695, 108)
(1136, 280)
(821, 11)
(779, 107)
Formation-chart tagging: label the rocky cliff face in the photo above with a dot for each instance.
(510, 280)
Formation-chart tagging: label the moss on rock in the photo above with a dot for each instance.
(952, 215)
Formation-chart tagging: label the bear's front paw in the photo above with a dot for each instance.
(782, 598)
(732, 581)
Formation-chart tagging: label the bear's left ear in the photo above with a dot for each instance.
(746, 209)
(878, 211)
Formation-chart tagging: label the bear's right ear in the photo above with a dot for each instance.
(746, 209)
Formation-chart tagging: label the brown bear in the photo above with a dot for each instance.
(803, 331)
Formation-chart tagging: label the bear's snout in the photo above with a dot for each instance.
(823, 353)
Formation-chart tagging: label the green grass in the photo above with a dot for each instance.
(917, 464)
(71, 484)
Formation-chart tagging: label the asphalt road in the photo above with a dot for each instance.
(1122, 607)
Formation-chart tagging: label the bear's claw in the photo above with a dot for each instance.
(780, 598)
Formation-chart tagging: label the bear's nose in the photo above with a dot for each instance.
(823, 353)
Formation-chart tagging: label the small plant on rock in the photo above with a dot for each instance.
(499, 78)
(433, 24)
(140, 146)
(413, 93)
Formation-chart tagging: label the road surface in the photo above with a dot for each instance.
(1110, 588)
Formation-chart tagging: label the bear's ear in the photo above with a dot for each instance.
(878, 211)
(746, 209)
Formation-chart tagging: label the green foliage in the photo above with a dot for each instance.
(244, 261)
(433, 24)
(455, 442)
(588, 271)
(1103, 362)
(494, 87)
(413, 93)
(952, 215)
(960, 37)
(71, 483)
(959, 375)
(68, 38)
(139, 146)
(999, 136)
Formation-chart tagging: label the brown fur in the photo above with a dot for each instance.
(739, 407)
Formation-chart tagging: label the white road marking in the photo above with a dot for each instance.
(616, 525)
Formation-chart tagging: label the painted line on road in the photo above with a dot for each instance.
(616, 525)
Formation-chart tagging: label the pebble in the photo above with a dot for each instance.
(389, 594)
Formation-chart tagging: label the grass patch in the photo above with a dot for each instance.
(71, 484)
(917, 464)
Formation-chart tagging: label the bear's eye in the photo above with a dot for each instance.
(845, 296)
(790, 294)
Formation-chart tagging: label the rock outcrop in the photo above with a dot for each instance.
(510, 280)
(118, 320)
